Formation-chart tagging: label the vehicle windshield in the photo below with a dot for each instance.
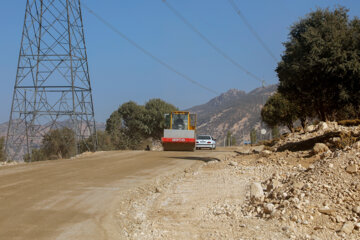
(204, 137)
(180, 121)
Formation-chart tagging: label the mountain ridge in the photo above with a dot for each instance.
(235, 111)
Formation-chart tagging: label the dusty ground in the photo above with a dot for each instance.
(203, 202)
(241, 193)
(310, 194)
(76, 199)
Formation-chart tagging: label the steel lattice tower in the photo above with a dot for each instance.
(52, 88)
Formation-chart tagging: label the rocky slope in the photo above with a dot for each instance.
(235, 111)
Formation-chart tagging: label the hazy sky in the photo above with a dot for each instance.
(120, 72)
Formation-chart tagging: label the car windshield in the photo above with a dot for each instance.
(204, 137)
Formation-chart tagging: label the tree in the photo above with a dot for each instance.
(253, 137)
(279, 111)
(128, 126)
(2, 150)
(56, 144)
(115, 130)
(275, 132)
(156, 109)
(320, 68)
(233, 141)
(104, 142)
(132, 124)
(228, 138)
(35, 156)
(59, 143)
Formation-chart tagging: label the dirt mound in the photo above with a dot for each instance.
(323, 197)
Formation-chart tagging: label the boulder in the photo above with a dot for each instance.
(258, 149)
(232, 163)
(298, 185)
(323, 126)
(266, 153)
(357, 225)
(274, 184)
(326, 210)
(356, 209)
(256, 192)
(356, 145)
(352, 169)
(320, 148)
(348, 227)
(269, 208)
(310, 128)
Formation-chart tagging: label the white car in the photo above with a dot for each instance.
(205, 141)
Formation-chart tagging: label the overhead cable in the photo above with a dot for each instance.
(146, 52)
(252, 30)
(210, 43)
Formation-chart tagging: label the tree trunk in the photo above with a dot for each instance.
(291, 127)
(303, 121)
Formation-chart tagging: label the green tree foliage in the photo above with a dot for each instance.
(2, 150)
(156, 109)
(56, 144)
(131, 124)
(60, 143)
(320, 69)
(253, 137)
(35, 156)
(279, 111)
(114, 130)
(104, 142)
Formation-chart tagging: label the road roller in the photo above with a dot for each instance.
(179, 132)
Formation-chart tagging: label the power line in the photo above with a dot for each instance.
(252, 30)
(146, 52)
(210, 43)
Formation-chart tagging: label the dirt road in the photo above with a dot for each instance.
(72, 199)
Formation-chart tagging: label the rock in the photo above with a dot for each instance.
(323, 126)
(298, 185)
(357, 225)
(352, 169)
(356, 209)
(320, 148)
(340, 219)
(326, 210)
(356, 145)
(266, 153)
(348, 227)
(258, 149)
(234, 164)
(310, 128)
(158, 190)
(269, 208)
(273, 185)
(256, 192)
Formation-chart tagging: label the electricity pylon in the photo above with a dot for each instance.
(52, 88)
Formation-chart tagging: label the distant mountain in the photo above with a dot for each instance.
(235, 111)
